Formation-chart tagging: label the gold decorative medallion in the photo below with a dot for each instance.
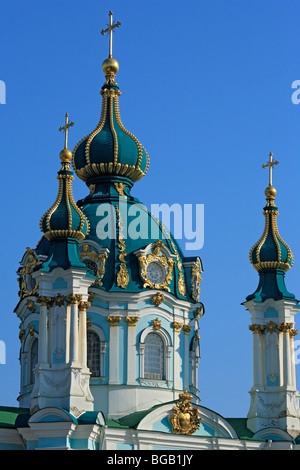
(156, 268)
(184, 418)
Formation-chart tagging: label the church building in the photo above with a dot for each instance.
(109, 316)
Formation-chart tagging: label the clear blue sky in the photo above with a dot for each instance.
(206, 87)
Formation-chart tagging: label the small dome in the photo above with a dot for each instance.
(64, 219)
(271, 252)
(110, 149)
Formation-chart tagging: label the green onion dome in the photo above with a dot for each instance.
(271, 252)
(64, 219)
(110, 149)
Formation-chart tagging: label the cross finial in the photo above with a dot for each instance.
(110, 30)
(65, 128)
(270, 164)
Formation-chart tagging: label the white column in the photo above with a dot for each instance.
(73, 299)
(286, 357)
(83, 333)
(43, 343)
(131, 350)
(113, 348)
(177, 327)
(186, 368)
(257, 359)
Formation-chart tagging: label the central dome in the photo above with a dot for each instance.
(110, 149)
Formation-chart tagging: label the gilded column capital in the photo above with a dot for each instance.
(113, 319)
(187, 329)
(284, 327)
(131, 320)
(44, 300)
(177, 326)
(73, 298)
(258, 329)
(59, 300)
(83, 306)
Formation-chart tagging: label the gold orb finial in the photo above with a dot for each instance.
(270, 192)
(110, 66)
(65, 156)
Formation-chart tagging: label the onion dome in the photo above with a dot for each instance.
(271, 252)
(271, 256)
(110, 149)
(64, 219)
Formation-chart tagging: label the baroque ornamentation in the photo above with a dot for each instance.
(166, 263)
(132, 320)
(120, 188)
(98, 258)
(177, 326)
(156, 324)
(73, 298)
(157, 299)
(196, 279)
(122, 275)
(28, 286)
(187, 329)
(113, 319)
(184, 418)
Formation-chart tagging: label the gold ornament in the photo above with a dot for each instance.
(157, 299)
(184, 418)
(156, 324)
(113, 319)
(166, 263)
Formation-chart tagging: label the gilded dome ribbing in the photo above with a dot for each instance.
(110, 149)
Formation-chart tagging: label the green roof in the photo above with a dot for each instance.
(13, 417)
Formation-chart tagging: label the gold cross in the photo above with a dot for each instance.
(270, 164)
(110, 30)
(65, 128)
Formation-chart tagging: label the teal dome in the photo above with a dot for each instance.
(271, 252)
(64, 219)
(110, 149)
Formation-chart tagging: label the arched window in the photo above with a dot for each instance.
(33, 359)
(154, 357)
(94, 353)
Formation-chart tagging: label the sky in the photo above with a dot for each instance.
(207, 89)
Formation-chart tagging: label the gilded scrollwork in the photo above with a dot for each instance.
(196, 280)
(166, 263)
(98, 259)
(28, 286)
(122, 275)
